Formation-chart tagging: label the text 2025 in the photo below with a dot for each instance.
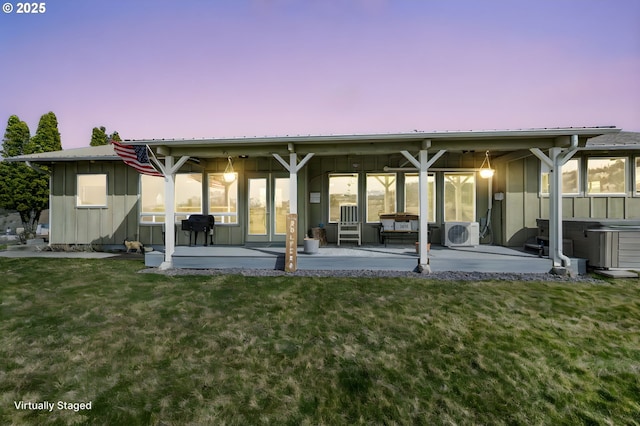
(31, 7)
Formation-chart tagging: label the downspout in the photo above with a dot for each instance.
(557, 157)
(37, 168)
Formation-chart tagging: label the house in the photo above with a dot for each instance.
(250, 185)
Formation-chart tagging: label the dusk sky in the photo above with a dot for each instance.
(195, 68)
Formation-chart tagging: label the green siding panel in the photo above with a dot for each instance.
(615, 208)
(581, 207)
(514, 219)
(633, 208)
(599, 207)
(567, 207)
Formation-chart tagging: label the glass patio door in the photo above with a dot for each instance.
(268, 201)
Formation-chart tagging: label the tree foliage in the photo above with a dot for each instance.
(16, 137)
(47, 137)
(99, 136)
(22, 188)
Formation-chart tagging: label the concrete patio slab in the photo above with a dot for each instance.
(442, 259)
(495, 259)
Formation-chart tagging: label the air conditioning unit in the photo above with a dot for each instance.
(461, 234)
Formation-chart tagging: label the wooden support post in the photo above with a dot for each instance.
(291, 250)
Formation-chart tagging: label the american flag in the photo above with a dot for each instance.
(136, 156)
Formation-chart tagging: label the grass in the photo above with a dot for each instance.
(154, 349)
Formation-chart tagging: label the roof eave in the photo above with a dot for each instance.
(453, 135)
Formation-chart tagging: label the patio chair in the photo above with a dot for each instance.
(349, 228)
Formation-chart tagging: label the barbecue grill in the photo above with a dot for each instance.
(199, 223)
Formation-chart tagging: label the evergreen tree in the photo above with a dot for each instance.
(99, 136)
(23, 189)
(16, 137)
(47, 137)
(115, 136)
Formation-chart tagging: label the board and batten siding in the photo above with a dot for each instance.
(524, 204)
(94, 225)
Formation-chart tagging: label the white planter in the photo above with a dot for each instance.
(311, 245)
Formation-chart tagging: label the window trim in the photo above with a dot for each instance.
(106, 191)
(636, 176)
(162, 215)
(329, 176)
(475, 195)
(366, 193)
(607, 194)
(433, 194)
(581, 176)
(235, 214)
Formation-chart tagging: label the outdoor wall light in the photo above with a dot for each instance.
(485, 169)
(229, 174)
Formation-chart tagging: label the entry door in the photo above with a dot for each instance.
(268, 208)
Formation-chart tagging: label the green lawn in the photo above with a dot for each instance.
(155, 349)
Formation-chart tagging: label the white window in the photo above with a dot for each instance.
(412, 196)
(282, 201)
(151, 199)
(343, 189)
(607, 175)
(459, 197)
(92, 190)
(188, 194)
(188, 197)
(223, 198)
(381, 195)
(570, 178)
(637, 175)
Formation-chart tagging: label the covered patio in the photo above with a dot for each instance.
(462, 189)
(489, 259)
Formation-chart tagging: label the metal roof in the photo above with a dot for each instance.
(381, 137)
(620, 139)
(90, 153)
(595, 137)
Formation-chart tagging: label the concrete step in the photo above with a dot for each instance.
(615, 273)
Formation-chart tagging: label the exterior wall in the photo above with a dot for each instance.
(524, 204)
(93, 225)
(521, 206)
(513, 220)
(319, 169)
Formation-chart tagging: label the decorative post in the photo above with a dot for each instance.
(291, 250)
(169, 170)
(423, 232)
(422, 164)
(557, 157)
(169, 209)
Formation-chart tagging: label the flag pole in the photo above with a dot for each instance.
(155, 160)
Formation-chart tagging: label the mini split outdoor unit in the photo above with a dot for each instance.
(461, 234)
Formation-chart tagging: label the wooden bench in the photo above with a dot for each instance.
(385, 235)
